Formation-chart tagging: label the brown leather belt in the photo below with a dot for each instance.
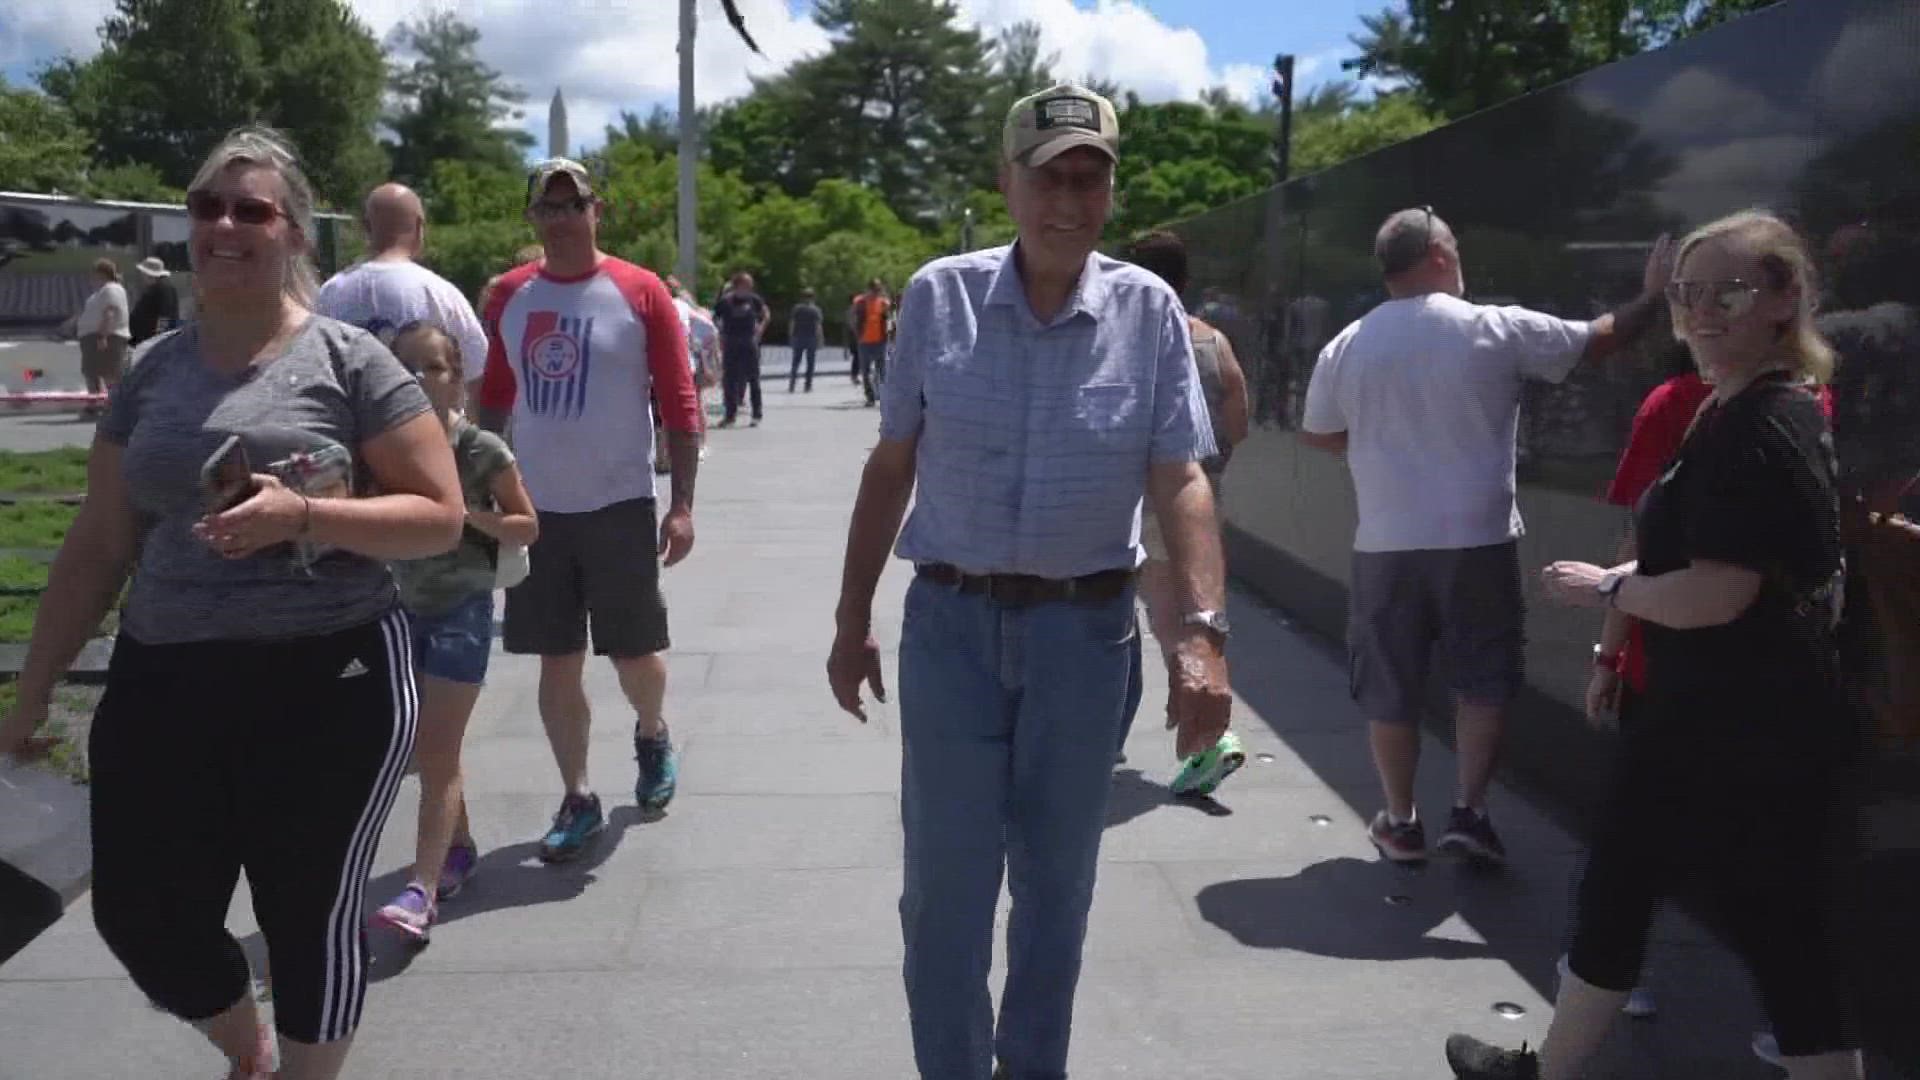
(1020, 590)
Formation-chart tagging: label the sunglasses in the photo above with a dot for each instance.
(209, 206)
(1731, 298)
(549, 210)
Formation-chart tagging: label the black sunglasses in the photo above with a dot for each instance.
(547, 208)
(211, 206)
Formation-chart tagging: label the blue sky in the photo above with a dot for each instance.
(1160, 48)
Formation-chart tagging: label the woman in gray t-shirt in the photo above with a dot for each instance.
(259, 708)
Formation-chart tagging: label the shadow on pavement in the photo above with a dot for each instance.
(1133, 795)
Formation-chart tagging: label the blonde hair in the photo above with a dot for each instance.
(266, 148)
(106, 269)
(1785, 262)
(429, 331)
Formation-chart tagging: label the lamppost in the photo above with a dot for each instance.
(686, 232)
(1283, 94)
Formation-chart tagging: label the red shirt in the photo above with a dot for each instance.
(1658, 430)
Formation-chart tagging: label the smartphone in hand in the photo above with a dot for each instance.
(226, 480)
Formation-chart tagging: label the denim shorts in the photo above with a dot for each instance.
(455, 644)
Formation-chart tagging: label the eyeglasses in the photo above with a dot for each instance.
(1731, 298)
(548, 210)
(211, 206)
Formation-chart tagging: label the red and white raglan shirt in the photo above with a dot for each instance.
(576, 360)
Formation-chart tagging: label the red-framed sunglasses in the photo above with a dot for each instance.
(211, 206)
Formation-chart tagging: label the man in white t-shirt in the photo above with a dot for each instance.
(1423, 395)
(389, 290)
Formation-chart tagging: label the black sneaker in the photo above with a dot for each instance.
(1470, 836)
(1472, 1059)
(1403, 843)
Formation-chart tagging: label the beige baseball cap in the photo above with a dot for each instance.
(545, 171)
(1042, 126)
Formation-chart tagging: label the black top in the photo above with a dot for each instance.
(806, 324)
(1753, 485)
(158, 301)
(738, 315)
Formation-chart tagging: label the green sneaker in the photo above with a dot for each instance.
(1205, 771)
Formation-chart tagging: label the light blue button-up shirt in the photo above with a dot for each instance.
(1035, 438)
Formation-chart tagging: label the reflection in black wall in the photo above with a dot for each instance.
(1810, 108)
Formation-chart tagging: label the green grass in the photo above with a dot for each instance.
(16, 618)
(47, 472)
(67, 260)
(35, 525)
(19, 573)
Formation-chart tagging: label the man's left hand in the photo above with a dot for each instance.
(676, 536)
(1201, 702)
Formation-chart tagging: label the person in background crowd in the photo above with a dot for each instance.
(803, 338)
(158, 308)
(1014, 363)
(531, 253)
(579, 346)
(1165, 255)
(742, 318)
(449, 602)
(1741, 723)
(703, 355)
(390, 289)
(868, 320)
(1431, 448)
(268, 736)
(104, 330)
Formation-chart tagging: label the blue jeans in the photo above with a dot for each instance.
(456, 644)
(1008, 716)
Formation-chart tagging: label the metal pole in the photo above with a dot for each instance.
(1283, 89)
(966, 229)
(687, 266)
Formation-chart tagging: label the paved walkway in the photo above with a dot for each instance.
(751, 931)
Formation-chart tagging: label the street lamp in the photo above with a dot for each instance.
(1283, 94)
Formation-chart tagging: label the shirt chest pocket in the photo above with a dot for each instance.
(1103, 419)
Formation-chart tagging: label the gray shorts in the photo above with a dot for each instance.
(600, 567)
(1403, 603)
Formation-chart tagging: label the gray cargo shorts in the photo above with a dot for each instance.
(1402, 603)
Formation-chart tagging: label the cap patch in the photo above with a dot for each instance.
(1063, 112)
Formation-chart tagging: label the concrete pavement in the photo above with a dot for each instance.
(751, 931)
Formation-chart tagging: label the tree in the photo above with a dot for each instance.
(448, 103)
(174, 76)
(41, 147)
(659, 132)
(1461, 56)
(1020, 68)
(1323, 138)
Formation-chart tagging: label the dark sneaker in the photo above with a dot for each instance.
(659, 770)
(1406, 842)
(578, 822)
(1472, 1059)
(1470, 836)
(462, 860)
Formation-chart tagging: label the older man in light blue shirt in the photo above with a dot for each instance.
(1038, 392)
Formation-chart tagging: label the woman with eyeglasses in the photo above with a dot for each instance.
(1729, 772)
(260, 704)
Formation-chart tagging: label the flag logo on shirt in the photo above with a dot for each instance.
(555, 363)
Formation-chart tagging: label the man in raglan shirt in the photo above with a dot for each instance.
(577, 343)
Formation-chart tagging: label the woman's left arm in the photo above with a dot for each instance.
(417, 514)
(1706, 593)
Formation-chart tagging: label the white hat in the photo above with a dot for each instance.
(152, 267)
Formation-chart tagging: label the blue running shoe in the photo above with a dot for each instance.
(578, 822)
(659, 770)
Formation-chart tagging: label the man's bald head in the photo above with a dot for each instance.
(1418, 253)
(395, 219)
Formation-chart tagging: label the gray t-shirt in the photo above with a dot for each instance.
(333, 384)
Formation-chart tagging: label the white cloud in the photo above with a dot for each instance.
(38, 30)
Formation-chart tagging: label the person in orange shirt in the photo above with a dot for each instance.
(870, 324)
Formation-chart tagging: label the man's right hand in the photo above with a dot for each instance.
(855, 659)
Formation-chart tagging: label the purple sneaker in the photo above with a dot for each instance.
(411, 913)
(462, 860)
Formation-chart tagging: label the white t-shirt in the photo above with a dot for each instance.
(1428, 391)
(382, 296)
(105, 310)
(576, 360)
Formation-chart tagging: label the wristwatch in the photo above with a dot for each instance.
(1215, 621)
(1609, 587)
(1604, 660)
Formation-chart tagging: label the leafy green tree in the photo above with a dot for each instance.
(1324, 139)
(41, 147)
(448, 104)
(173, 76)
(659, 131)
